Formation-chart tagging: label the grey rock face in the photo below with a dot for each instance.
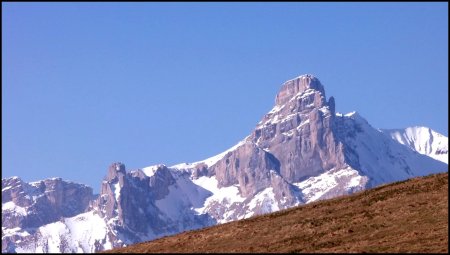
(299, 130)
(32, 205)
(129, 201)
(111, 185)
(253, 170)
(43, 202)
(248, 166)
(296, 86)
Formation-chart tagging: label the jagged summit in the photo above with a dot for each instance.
(303, 76)
(297, 86)
(115, 169)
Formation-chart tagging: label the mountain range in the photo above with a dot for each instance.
(301, 151)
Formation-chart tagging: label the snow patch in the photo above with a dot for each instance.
(14, 231)
(75, 234)
(325, 110)
(303, 123)
(53, 234)
(275, 109)
(350, 114)
(11, 206)
(151, 170)
(314, 188)
(225, 195)
(117, 191)
(264, 201)
(303, 95)
(87, 228)
(184, 194)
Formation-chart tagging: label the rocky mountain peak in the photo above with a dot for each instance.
(298, 86)
(300, 127)
(299, 99)
(116, 169)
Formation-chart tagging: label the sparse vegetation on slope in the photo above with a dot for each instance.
(409, 216)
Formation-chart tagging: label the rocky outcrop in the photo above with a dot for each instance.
(248, 166)
(38, 203)
(107, 202)
(129, 201)
(29, 206)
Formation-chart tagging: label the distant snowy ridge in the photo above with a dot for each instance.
(424, 140)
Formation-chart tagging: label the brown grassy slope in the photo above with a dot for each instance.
(410, 216)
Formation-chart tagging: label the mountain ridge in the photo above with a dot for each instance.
(301, 151)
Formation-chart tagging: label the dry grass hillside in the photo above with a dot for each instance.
(409, 216)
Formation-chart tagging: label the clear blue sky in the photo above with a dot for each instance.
(88, 84)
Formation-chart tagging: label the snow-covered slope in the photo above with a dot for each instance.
(328, 184)
(423, 140)
(27, 208)
(378, 156)
(84, 233)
